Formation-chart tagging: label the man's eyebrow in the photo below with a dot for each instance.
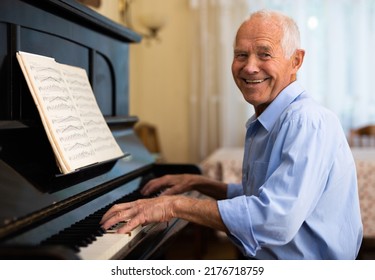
(264, 48)
(238, 50)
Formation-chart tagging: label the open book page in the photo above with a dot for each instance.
(69, 112)
(96, 128)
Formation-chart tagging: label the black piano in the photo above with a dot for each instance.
(43, 213)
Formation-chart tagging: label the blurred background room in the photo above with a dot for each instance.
(181, 83)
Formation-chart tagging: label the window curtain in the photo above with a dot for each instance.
(338, 71)
(218, 111)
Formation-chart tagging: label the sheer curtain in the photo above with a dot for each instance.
(218, 111)
(338, 36)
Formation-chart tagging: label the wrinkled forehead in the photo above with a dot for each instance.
(259, 27)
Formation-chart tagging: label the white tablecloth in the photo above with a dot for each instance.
(225, 164)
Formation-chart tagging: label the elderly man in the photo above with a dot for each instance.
(298, 198)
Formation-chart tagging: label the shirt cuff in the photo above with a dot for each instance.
(235, 215)
(234, 190)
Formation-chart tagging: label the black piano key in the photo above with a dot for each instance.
(85, 231)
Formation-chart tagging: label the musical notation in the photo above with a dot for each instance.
(74, 123)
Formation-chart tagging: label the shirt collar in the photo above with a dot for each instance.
(268, 118)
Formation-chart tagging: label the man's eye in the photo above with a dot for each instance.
(264, 55)
(241, 55)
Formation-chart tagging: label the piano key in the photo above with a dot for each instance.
(91, 242)
(110, 245)
(85, 232)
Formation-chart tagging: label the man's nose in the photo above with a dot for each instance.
(252, 65)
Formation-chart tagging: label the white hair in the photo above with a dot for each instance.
(290, 40)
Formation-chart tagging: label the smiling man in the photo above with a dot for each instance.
(298, 198)
(261, 67)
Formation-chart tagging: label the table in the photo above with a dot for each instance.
(225, 164)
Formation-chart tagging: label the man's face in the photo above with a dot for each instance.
(260, 68)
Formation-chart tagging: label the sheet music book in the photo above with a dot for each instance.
(75, 126)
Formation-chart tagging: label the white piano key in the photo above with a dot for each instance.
(109, 245)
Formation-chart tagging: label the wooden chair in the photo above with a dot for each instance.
(363, 136)
(148, 134)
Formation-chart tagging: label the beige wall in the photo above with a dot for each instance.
(160, 73)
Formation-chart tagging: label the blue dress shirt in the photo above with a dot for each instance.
(299, 197)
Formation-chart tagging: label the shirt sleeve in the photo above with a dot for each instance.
(297, 172)
(234, 190)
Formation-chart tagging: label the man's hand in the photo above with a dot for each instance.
(171, 184)
(139, 212)
(181, 183)
(161, 209)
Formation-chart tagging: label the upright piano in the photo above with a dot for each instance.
(43, 213)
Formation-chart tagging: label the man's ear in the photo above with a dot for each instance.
(297, 58)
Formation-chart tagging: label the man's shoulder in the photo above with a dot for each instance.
(306, 108)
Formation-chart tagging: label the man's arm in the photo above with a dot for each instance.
(200, 211)
(164, 208)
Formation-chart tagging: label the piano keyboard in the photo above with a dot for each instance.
(89, 241)
(110, 245)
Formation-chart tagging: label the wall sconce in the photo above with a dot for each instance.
(151, 22)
